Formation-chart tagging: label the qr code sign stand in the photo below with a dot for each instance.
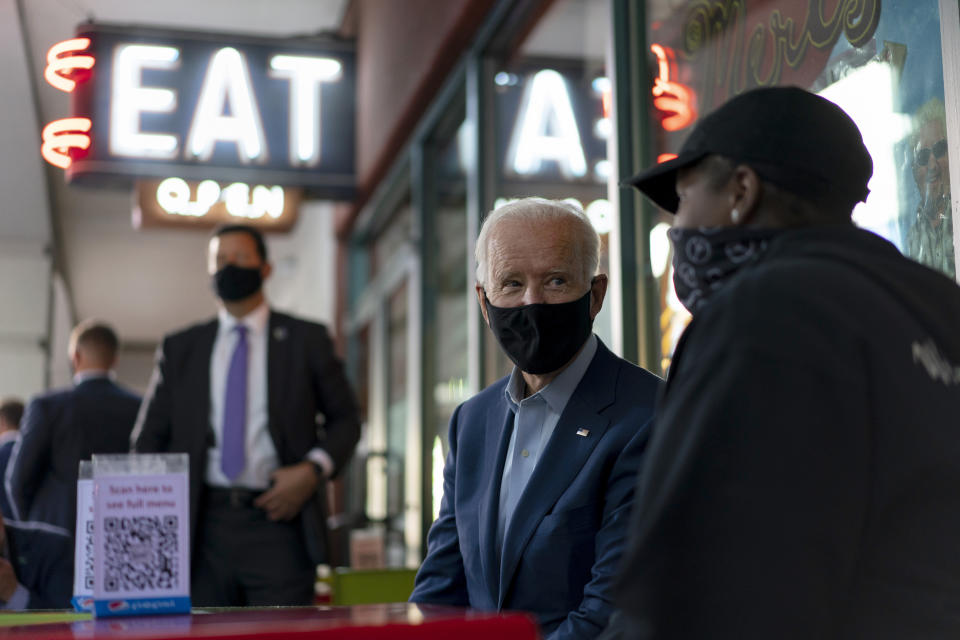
(83, 552)
(140, 535)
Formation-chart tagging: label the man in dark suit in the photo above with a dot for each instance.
(35, 567)
(539, 479)
(243, 394)
(11, 411)
(62, 427)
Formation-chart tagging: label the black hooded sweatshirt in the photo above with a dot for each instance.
(803, 478)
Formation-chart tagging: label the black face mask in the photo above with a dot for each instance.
(704, 260)
(234, 283)
(541, 338)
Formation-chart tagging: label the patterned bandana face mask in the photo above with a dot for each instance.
(704, 260)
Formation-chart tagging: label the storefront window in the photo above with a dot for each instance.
(882, 65)
(397, 399)
(454, 290)
(552, 123)
(380, 361)
(390, 241)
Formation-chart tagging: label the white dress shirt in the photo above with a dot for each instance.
(93, 374)
(261, 456)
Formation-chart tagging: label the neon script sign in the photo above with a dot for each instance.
(672, 97)
(156, 103)
(733, 47)
(60, 136)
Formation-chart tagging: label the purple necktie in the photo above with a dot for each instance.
(232, 454)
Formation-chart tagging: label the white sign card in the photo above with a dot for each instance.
(83, 540)
(141, 548)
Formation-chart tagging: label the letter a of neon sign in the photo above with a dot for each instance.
(546, 129)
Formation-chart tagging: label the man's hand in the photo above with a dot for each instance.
(291, 488)
(8, 580)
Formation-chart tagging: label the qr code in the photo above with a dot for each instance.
(88, 556)
(141, 553)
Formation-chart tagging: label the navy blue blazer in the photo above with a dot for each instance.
(59, 429)
(568, 530)
(5, 450)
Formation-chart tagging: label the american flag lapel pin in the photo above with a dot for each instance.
(280, 333)
(583, 433)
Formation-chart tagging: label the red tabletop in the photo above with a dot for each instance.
(399, 621)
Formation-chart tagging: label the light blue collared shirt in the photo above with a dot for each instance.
(533, 423)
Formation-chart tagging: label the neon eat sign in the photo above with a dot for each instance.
(160, 103)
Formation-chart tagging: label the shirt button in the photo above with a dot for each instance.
(525, 453)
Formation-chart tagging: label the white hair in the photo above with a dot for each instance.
(541, 210)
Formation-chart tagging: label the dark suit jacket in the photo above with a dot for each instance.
(304, 381)
(43, 563)
(5, 450)
(568, 530)
(59, 429)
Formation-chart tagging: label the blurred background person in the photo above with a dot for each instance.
(11, 411)
(243, 394)
(930, 235)
(64, 426)
(802, 477)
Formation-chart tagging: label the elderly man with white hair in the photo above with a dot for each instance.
(539, 479)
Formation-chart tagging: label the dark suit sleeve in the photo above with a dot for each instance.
(151, 433)
(611, 540)
(341, 428)
(753, 452)
(30, 459)
(441, 578)
(56, 590)
(43, 566)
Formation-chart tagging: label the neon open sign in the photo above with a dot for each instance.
(156, 103)
(175, 202)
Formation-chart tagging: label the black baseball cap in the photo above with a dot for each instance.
(792, 138)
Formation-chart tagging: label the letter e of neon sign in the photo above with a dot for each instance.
(129, 98)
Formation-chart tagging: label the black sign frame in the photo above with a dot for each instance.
(333, 177)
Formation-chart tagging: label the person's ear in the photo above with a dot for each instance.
(744, 195)
(76, 359)
(598, 290)
(266, 270)
(481, 298)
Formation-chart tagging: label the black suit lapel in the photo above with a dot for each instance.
(199, 373)
(279, 359)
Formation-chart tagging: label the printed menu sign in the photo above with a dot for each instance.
(140, 535)
(83, 551)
